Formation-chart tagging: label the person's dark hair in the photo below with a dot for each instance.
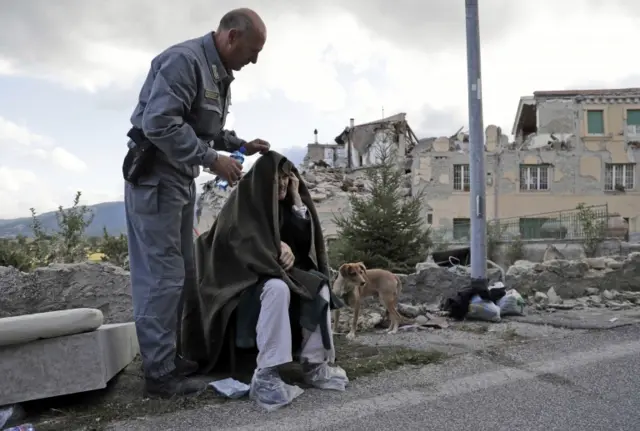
(236, 19)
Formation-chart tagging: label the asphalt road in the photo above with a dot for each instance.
(585, 382)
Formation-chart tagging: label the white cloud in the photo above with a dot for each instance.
(20, 189)
(14, 134)
(68, 161)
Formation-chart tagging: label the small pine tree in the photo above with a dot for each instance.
(384, 229)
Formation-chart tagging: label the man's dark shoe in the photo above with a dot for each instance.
(185, 366)
(173, 385)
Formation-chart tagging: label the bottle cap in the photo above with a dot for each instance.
(242, 149)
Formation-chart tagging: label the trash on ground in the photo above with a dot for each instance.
(511, 304)
(481, 309)
(230, 388)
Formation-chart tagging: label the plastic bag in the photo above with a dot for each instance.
(512, 304)
(483, 310)
(231, 388)
(323, 376)
(270, 392)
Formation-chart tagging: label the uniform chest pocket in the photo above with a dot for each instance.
(209, 117)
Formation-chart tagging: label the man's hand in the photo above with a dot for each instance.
(286, 256)
(256, 146)
(227, 168)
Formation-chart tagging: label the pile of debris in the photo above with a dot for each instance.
(65, 286)
(572, 278)
(594, 298)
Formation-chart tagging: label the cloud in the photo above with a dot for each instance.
(68, 161)
(19, 190)
(14, 134)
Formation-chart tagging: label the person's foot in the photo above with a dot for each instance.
(185, 366)
(173, 385)
(269, 391)
(322, 376)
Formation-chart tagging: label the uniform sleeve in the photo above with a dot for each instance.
(174, 88)
(227, 141)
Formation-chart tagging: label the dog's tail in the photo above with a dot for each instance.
(403, 319)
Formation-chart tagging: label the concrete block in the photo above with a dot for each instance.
(65, 365)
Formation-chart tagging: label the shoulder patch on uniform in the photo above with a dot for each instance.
(211, 94)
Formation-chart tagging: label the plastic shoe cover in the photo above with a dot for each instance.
(322, 376)
(270, 392)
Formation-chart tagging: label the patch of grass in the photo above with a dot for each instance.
(360, 360)
(122, 399)
(511, 334)
(474, 328)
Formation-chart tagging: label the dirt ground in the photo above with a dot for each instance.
(122, 399)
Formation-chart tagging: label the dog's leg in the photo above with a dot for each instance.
(356, 312)
(390, 303)
(336, 319)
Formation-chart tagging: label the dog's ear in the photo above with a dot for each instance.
(343, 270)
(361, 265)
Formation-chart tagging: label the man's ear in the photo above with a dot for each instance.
(343, 270)
(361, 265)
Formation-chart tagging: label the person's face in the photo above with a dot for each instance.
(283, 185)
(245, 48)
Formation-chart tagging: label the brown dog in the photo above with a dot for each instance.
(355, 282)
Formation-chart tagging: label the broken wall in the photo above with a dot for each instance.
(576, 172)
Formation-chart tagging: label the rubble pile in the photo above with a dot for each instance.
(593, 298)
(572, 278)
(325, 183)
(65, 286)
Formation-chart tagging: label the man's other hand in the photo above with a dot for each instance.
(227, 168)
(286, 256)
(256, 146)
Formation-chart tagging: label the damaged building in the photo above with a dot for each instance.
(332, 171)
(569, 147)
(357, 146)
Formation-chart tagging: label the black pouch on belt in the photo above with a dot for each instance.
(139, 158)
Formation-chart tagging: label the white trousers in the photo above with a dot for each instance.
(274, 329)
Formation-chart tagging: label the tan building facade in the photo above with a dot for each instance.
(570, 147)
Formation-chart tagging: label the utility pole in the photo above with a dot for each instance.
(478, 214)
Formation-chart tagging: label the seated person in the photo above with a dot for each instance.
(263, 272)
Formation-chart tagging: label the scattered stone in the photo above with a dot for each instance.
(553, 296)
(422, 320)
(541, 298)
(614, 264)
(592, 291)
(410, 311)
(561, 306)
(608, 295)
(596, 262)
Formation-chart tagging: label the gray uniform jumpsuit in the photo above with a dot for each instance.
(182, 109)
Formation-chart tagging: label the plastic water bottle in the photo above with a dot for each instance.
(236, 155)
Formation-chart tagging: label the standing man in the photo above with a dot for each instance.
(181, 111)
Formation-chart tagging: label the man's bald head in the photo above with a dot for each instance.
(244, 20)
(240, 37)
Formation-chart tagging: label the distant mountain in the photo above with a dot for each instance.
(106, 214)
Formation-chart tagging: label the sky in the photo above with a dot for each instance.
(71, 71)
